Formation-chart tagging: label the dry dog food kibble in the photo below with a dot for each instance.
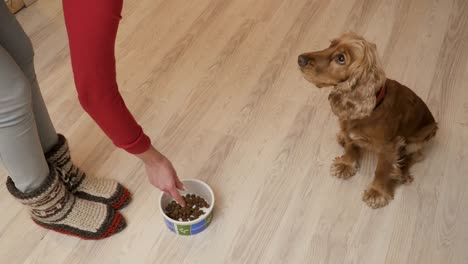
(191, 211)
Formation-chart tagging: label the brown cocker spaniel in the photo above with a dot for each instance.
(375, 113)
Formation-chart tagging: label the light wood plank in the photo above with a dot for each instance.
(215, 85)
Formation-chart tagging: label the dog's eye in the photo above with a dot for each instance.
(340, 59)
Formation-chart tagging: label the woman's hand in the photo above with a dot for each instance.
(161, 173)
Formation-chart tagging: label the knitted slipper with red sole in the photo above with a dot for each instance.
(94, 189)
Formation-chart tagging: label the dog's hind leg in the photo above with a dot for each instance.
(406, 177)
(424, 134)
(413, 150)
(341, 138)
(411, 159)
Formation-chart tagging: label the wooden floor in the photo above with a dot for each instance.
(215, 85)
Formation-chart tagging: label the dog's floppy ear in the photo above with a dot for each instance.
(355, 97)
(366, 69)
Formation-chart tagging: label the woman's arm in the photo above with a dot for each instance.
(92, 30)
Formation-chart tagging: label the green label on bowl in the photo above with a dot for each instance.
(183, 230)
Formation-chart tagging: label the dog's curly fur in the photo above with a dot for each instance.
(395, 128)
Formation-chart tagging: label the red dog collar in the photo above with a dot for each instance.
(380, 96)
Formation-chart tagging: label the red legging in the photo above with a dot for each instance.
(92, 28)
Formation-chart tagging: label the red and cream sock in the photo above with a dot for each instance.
(53, 207)
(100, 190)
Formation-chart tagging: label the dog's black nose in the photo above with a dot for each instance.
(302, 60)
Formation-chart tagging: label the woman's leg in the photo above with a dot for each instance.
(19, 47)
(15, 41)
(20, 147)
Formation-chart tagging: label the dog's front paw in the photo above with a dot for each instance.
(375, 199)
(343, 169)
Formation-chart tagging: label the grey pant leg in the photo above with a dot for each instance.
(15, 41)
(20, 147)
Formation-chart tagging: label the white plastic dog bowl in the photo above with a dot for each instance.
(196, 226)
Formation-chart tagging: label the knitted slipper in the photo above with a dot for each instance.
(90, 188)
(53, 207)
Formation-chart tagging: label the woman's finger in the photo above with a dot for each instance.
(175, 194)
(179, 184)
